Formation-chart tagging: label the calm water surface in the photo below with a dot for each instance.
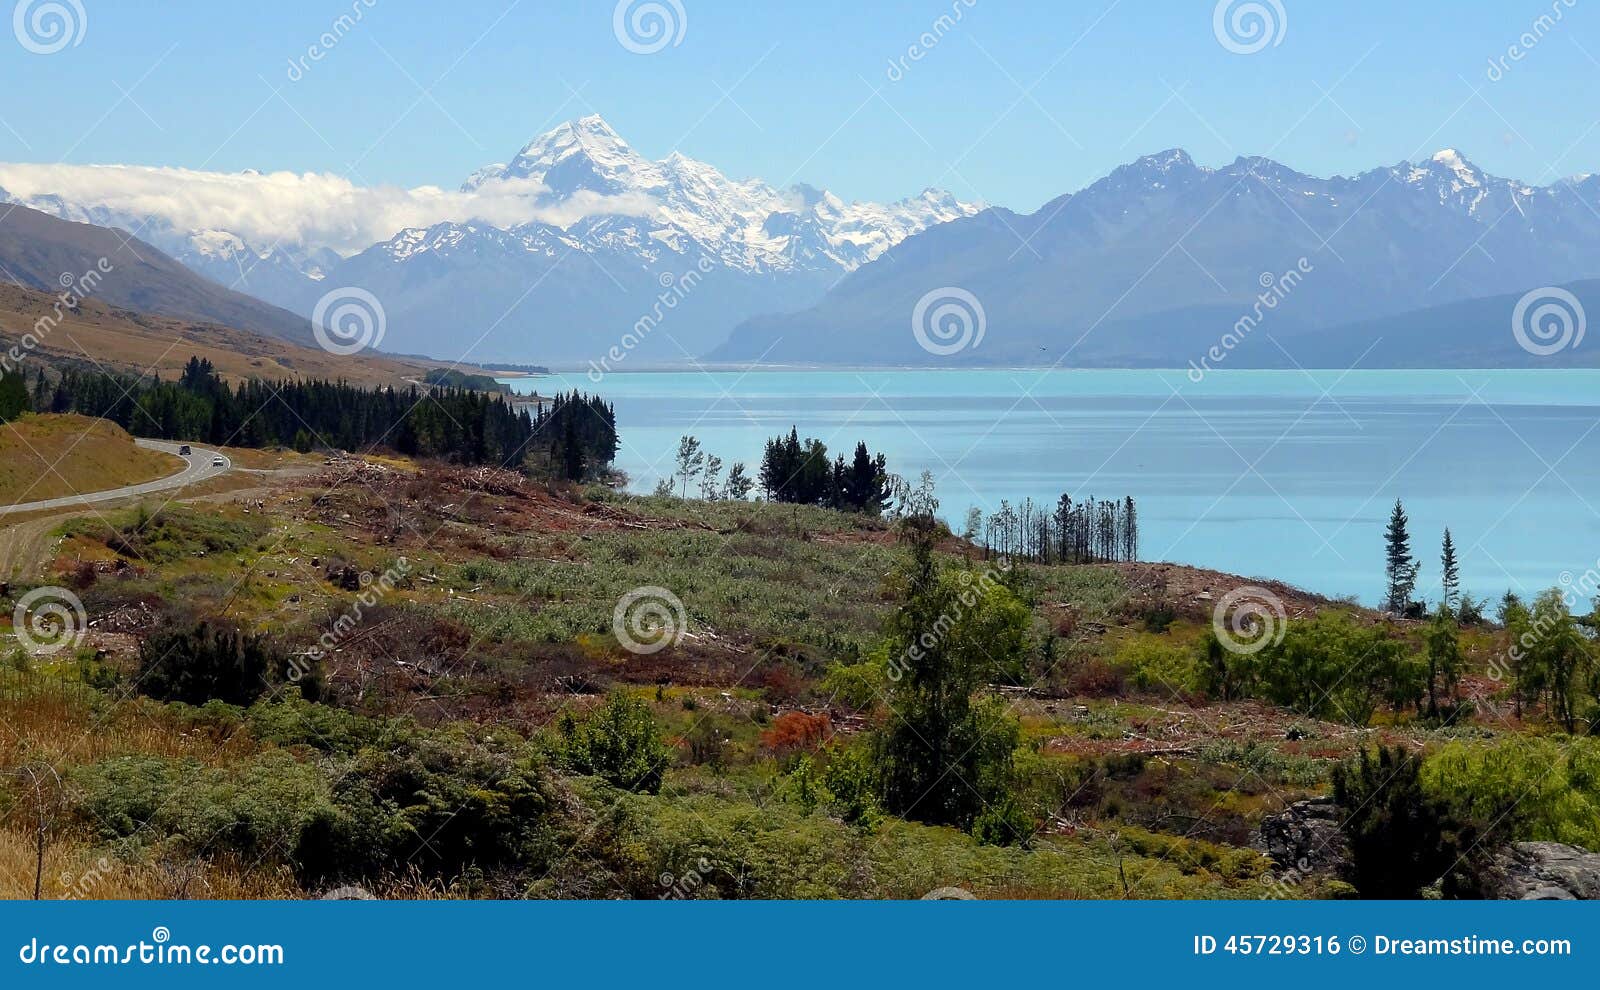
(1282, 474)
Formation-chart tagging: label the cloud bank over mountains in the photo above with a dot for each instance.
(311, 210)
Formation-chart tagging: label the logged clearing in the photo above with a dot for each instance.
(45, 457)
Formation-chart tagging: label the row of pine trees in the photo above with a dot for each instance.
(575, 437)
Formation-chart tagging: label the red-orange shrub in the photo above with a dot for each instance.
(794, 731)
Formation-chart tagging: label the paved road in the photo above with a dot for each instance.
(199, 467)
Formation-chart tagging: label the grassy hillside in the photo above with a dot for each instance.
(36, 249)
(43, 457)
(138, 343)
(443, 682)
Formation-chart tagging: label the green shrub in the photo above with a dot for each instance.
(1401, 838)
(205, 662)
(255, 809)
(1156, 664)
(1537, 789)
(441, 801)
(858, 686)
(852, 785)
(619, 744)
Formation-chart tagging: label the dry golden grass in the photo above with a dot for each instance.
(74, 870)
(141, 343)
(54, 720)
(43, 457)
(270, 460)
(51, 720)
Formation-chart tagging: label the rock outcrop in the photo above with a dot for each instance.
(1543, 871)
(1305, 838)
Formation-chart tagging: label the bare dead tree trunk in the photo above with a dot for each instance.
(40, 778)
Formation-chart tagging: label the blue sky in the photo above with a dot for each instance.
(1016, 103)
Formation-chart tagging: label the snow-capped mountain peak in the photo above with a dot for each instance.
(695, 208)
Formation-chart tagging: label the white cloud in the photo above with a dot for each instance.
(313, 210)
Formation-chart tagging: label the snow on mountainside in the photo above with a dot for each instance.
(537, 241)
(747, 225)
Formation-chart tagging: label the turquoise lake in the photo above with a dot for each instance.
(1280, 474)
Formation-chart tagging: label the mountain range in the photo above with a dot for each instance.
(640, 237)
(1151, 266)
(1154, 264)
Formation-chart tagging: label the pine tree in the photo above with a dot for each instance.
(14, 400)
(1451, 578)
(1443, 644)
(1401, 569)
(946, 755)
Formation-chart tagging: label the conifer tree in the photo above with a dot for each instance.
(1451, 574)
(1400, 569)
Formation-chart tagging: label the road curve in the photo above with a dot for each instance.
(198, 468)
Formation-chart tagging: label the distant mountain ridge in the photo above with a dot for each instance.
(43, 253)
(1156, 262)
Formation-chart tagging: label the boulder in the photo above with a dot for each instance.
(1304, 838)
(1543, 871)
